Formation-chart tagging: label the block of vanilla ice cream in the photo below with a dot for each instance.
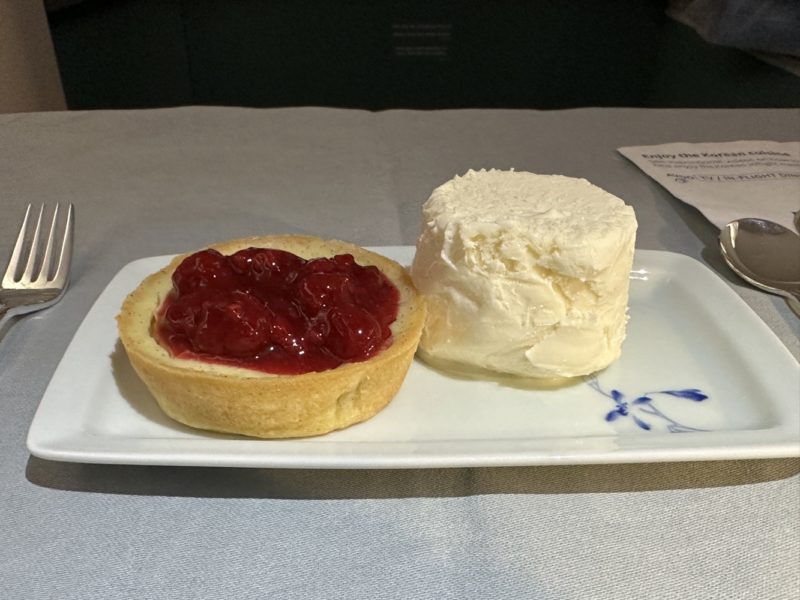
(524, 274)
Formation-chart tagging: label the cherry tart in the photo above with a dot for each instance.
(274, 336)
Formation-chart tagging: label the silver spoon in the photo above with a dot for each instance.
(765, 254)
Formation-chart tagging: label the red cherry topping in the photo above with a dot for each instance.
(321, 289)
(272, 311)
(214, 322)
(204, 269)
(265, 265)
(353, 332)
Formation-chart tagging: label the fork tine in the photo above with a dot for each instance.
(61, 275)
(31, 264)
(14, 262)
(47, 261)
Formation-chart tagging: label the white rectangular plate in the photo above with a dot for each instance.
(701, 377)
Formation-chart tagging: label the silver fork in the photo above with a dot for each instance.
(40, 280)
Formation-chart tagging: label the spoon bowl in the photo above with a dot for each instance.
(766, 255)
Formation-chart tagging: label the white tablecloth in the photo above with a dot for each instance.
(164, 181)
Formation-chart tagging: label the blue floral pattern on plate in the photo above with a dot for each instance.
(642, 408)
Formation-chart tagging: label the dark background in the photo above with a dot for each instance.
(405, 54)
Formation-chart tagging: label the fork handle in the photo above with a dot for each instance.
(4, 316)
(7, 312)
(19, 302)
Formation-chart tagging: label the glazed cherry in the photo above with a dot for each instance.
(181, 316)
(323, 289)
(204, 269)
(353, 332)
(266, 265)
(372, 291)
(287, 331)
(273, 311)
(231, 324)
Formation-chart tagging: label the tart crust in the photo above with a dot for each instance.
(243, 401)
